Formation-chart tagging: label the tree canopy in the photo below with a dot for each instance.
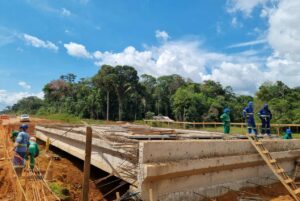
(118, 93)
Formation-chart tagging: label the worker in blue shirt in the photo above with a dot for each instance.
(248, 114)
(20, 148)
(265, 115)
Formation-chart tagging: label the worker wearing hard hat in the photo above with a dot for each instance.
(33, 151)
(248, 114)
(265, 115)
(288, 134)
(225, 117)
(20, 148)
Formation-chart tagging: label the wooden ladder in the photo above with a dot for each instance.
(279, 172)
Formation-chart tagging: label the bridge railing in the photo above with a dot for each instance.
(276, 128)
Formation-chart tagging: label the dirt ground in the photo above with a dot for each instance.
(5, 190)
(67, 174)
(274, 192)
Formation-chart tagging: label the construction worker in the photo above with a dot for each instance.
(265, 115)
(20, 148)
(288, 134)
(248, 114)
(33, 151)
(225, 117)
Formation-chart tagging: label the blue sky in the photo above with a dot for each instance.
(236, 42)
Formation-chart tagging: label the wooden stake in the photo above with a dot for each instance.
(49, 172)
(47, 144)
(87, 164)
(151, 195)
(118, 196)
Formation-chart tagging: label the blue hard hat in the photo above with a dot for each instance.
(24, 126)
(288, 131)
(250, 103)
(226, 110)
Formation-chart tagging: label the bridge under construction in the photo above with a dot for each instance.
(177, 164)
(174, 164)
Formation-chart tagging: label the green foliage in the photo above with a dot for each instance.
(283, 101)
(149, 115)
(62, 117)
(29, 105)
(59, 190)
(118, 93)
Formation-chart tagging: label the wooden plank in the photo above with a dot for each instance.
(280, 170)
(297, 191)
(287, 181)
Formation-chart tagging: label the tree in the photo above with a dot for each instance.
(104, 79)
(29, 105)
(268, 90)
(212, 89)
(148, 83)
(165, 88)
(188, 104)
(122, 80)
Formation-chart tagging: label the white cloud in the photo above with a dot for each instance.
(77, 50)
(284, 38)
(244, 78)
(36, 42)
(10, 98)
(244, 71)
(24, 85)
(181, 57)
(65, 12)
(190, 59)
(249, 43)
(244, 6)
(284, 31)
(162, 35)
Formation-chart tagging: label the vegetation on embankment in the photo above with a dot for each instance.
(123, 95)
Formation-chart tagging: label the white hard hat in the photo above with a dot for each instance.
(32, 139)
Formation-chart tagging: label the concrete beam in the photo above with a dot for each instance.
(203, 166)
(104, 156)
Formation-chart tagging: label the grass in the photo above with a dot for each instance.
(69, 119)
(61, 117)
(62, 192)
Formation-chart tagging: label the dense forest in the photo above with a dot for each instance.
(118, 93)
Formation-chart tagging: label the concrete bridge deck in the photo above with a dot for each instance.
(174, 168)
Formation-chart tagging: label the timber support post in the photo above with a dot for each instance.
(87, 165)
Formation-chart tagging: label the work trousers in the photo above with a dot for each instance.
(251, 125)
(265, 126)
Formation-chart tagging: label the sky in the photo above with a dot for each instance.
(239, 43)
